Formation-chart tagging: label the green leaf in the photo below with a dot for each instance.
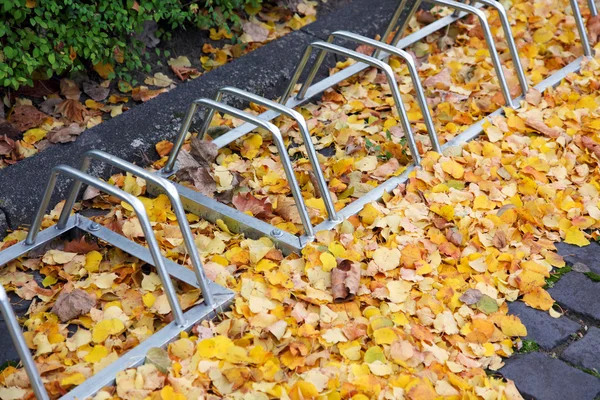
(159, 358)
(487, 305)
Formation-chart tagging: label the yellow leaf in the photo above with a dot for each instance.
(73, 380)
(97, 354)
(543, 35)
(251, 146)
(106, 328)
(385, 336)
(34, 135)
(575, 236)
(538, 298)
(302, 391)
(328, 261)
(168, 393)
(92, 261)
(104, 70)
(148, 299)
(511, 326)
(453, 168)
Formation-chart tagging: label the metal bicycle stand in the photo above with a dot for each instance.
(215, 297)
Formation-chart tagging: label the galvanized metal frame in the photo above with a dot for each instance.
(390, 50)
(215, 297)
(239, 222)
(257, 122)
(326, 47)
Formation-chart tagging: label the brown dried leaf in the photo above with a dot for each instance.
(73, 304)
(7, 145)
(24, 117)
(425, 17)
(254, 32)
(8, 130)
(95, 91)
(65, 134)
(471, 296)
(592, 146)
(72, 110)
(593, 27)
(533, 96)
(143, 94)
(500, 241)
(80, 246)
(345, 279)
(454, 236)
(201, 179)
(260, 208)
(441, 80)
(69, 89)
(203, 151)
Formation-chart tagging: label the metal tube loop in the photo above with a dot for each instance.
(139, 210)
(510, 41)
(585, 42)
(412, 70)
(326, 47)
(14, 329)
(302, 127)
(170, 191)
(254, 120)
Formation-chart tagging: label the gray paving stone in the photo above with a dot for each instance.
(578, 293)
(546, 331)
(584, 352)
(588, 255)
(542, 377)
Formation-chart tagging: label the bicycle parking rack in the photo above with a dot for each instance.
(252, 227)
(216, 297)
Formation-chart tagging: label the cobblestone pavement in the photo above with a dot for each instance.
(565, 361)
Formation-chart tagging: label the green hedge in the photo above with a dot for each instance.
(42, 38)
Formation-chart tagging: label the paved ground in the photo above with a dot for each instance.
(567, 363)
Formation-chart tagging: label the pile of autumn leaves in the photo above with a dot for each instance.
(438, 257)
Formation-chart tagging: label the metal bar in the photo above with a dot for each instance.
(18, 249)
(137, 250)
(585, 42)
(387, 70)
(302, 127)
(487, 33)
(314, 90)
(455, 13)
(402, 17)
(473, 132)
(139, 210)
(169, 190)
(222, 141)
(412, 70)
(137, 355)
(12, 323)
(593, 8)
(237, 221)
(508, 36)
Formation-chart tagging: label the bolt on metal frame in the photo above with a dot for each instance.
(216, 298)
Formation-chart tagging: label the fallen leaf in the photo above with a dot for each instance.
(65, 134)
(73, 304)
(95, 91)
(69, 89)
(345, 279)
